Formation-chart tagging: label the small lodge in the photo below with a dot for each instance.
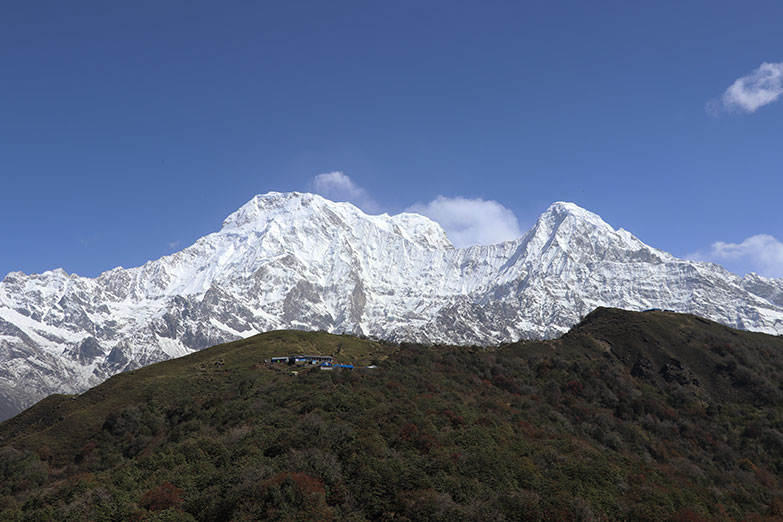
(330, 366)
(324, 362)
(302, 359)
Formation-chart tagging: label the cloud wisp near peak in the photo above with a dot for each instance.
(467, 221)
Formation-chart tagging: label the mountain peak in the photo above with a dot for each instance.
(562, 209)
(567, 219)
(564, 206)
(261, 205)
(297, 208)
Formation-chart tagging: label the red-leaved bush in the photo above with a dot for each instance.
(163, 497)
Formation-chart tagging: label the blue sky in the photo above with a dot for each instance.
(128, 130)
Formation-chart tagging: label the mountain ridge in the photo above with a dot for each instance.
(297, 260)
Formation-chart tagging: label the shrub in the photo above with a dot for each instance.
(163, 497)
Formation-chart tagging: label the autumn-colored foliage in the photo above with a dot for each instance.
(688, 515)
(162, 497)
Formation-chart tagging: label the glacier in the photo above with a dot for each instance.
(297, 260)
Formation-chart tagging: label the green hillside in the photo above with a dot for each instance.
(630, 416)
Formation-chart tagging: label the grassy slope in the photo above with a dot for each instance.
(64, 422)
(644, 416)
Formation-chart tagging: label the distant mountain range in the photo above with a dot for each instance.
(294, 260)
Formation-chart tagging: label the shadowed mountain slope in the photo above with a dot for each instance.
(630, 415)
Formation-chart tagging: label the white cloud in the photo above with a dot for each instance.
(339, 187)
(761, 253)
(466, 221)
(471, 221)
(761, 87)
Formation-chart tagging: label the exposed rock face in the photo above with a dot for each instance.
(673, 371)
(299, 261)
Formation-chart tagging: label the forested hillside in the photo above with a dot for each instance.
(630, 416)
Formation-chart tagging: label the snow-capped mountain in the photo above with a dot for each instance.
(297, 260)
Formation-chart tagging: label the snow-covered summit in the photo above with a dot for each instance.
(295, 210)
(297, 260)
(562, 209)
